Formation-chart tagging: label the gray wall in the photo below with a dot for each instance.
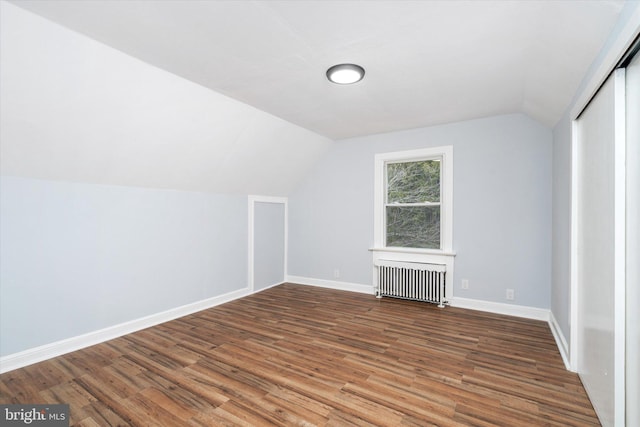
(269, 244)
(79, 253)
(502, 208)
(77, 258)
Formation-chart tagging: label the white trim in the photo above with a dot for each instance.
(446, 196)
(619, 47)
(48, 351)
(574, 279)
(632, 386)
(520, 311)
(414, 251)
(619, 246)
(501, 308)
(251, 234)
(332, 284)
(251, 242)
(561, 341)
(465, 303)
(269, 287)
(268, 199)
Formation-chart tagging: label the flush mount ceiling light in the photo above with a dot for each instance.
(345, 74)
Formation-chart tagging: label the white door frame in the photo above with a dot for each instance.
(251, 234)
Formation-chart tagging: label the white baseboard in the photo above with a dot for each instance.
(48, 351)
(522, 311)
(267, 287)
(500, 308)
(332, 284)
(472, 304)
(561, 341)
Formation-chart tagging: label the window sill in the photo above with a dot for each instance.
(414, 251)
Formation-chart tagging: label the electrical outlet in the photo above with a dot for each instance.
(511, 294)
(465, 284)
(336, 273)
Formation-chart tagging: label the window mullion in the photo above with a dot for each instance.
(401, 205)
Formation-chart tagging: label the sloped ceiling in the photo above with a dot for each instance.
(73, 109)
(427, 62)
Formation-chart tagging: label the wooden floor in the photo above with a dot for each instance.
(299, 355)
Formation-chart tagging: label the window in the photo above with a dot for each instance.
(412, 207)
(413, 199)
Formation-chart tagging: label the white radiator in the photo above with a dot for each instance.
(411, 280)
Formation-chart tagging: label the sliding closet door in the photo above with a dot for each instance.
(633, 242)
(596, 250)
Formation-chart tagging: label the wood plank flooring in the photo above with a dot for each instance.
(306, 356)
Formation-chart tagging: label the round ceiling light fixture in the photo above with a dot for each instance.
(345, 74)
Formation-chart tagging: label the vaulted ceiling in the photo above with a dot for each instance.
(427, 62)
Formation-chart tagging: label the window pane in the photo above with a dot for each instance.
(413, 182)
(413, 226)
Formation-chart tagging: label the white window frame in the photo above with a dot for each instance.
(445, 155)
